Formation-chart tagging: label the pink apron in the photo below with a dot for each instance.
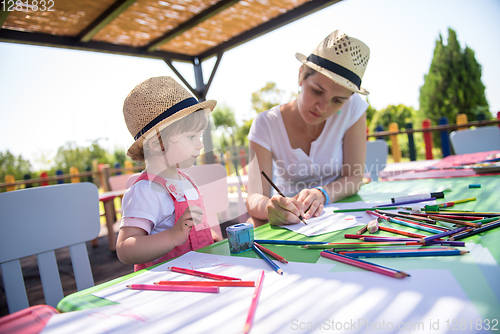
(200, 236)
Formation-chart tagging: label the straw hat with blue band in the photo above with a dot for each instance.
(153, 105)
(341, 58)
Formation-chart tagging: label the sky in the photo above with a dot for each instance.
(50, 96)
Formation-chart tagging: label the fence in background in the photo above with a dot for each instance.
(236, 159)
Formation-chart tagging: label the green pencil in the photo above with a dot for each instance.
(354, 244)
(364, 209)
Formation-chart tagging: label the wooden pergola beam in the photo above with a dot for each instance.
(278, 22)
(194, 21)
(104, 19)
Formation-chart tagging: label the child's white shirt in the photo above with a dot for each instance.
(152, 203)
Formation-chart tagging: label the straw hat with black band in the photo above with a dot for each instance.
(155, 104)
(341, 58)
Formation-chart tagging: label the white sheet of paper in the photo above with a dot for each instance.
(354, 302)
(329, 221)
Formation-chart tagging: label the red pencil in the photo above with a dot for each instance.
(207, 283)
(253, 305)
(395, 231)
(202, 274)
(270, 252)
(190, 288)
(363, 265)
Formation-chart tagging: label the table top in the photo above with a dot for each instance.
(478, 286)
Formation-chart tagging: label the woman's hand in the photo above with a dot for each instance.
(312, 200)
(284, 210)
(192, 216)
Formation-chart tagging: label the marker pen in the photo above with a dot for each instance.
(438, 194)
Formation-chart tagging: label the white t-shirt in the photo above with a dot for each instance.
(293, 169)
(150, 201)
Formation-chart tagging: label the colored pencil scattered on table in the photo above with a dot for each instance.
(396, 231)
(362, 230)
(353, 244)
(202, 274)
(406, 202)
(409, 253)
(406, 223)
(268, 260)
(207, 283)
(363, 265)
(189, 288)
(253, 305)
(427, 240)
(270, 252)
(289, 242)
(484, 228)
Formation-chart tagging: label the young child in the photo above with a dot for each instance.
(163, 210)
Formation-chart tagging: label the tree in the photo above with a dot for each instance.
(267, 97)
(453, 85)
(224, 121)
(10, 164)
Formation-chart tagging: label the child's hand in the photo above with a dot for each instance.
(192, 216)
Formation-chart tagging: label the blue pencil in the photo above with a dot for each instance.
(373, 264)
(407, 254)
(290, 242)
(268, 260)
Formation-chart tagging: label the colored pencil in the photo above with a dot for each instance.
(268, 260)
(386, 239)
(404, 223)
(395, 231)
(189, 288)
(388, 248)
(452, 203)
(484, 228)
(363, 209)
(270, 252)
(373, 264)
(445, 216)
(253, 305)
(407, 254)
(428, 239)
(467, 213)
(207, 283)
(440, 242)
(456, 221)
(363, 265)
(279, 192)
(289, 242)
(354, 244)
(347, 252)
(409, 216)
(406, 202)
(362, 230)
(202, 274)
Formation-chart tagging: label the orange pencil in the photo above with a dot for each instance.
(253, 305)
(206, 283)
(270, 252)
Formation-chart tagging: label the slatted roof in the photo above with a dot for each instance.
(178, 30)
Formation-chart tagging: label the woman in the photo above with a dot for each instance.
(314, 146)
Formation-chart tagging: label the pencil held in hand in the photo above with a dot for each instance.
(279, 192)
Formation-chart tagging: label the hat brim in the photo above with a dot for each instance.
(135, 151)
(331, 75)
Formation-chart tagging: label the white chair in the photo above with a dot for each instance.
(376, 158)
(482, 139)
(37, 221)
(212, 181)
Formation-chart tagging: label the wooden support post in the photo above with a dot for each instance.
(411, 143)
(109, 207)
(462, 119)
(44, 175)
(445, 139)
(396, 150)
(74, 171)
(59, 172)
(9, 178)
(427, 139)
